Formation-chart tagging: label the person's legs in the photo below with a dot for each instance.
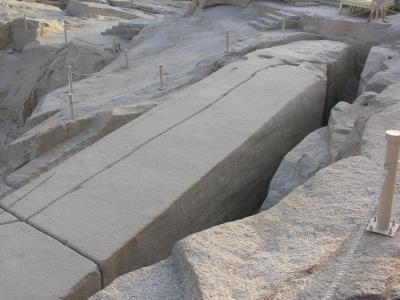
(383, 14)
(373, 9)
(381, 8)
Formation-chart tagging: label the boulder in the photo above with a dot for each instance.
(308, 157)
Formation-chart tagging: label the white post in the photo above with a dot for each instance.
(283, 24)
(70, 79)
(126, 58)
(71, 106)
(161, 77)
(391, 161)
(65, 35)
(227, 40)
(383, 222)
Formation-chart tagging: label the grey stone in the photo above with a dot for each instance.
(6, 218)
(293, 250)
(86, 9)
(36, 266)
(300, 164)
(365, 98)
(373, 139)
(380, 69)
(108, 188)
(341, 122)
(156, 282)
(373, 105)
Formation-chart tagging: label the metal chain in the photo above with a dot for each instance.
(356, 241)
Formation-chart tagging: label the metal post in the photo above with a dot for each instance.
(71, 106)
(70, 79)
(114, 48)
(65, 35)
(161, 77)
(283, 24)
(25, 24)
(126, 58)
(227, 40)
(383, 222)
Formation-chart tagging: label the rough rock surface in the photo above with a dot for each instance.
(159, 281)
(342, 119)
(291, 251)
(294, 250)
(308, 157)
(382, 68)
(142, 223)
(29, 76)
(87, 9)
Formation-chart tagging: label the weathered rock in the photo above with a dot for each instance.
(365, 98)
(36, 266)
(141, 222)
(373, 139)
(44, 149)
(291, 251)
(381, 69)
(87, 9)
(308, 157)
(341, 122)
(20, 76)
(369, 104)
(44, 70)
(84, 58)
(156, 282)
